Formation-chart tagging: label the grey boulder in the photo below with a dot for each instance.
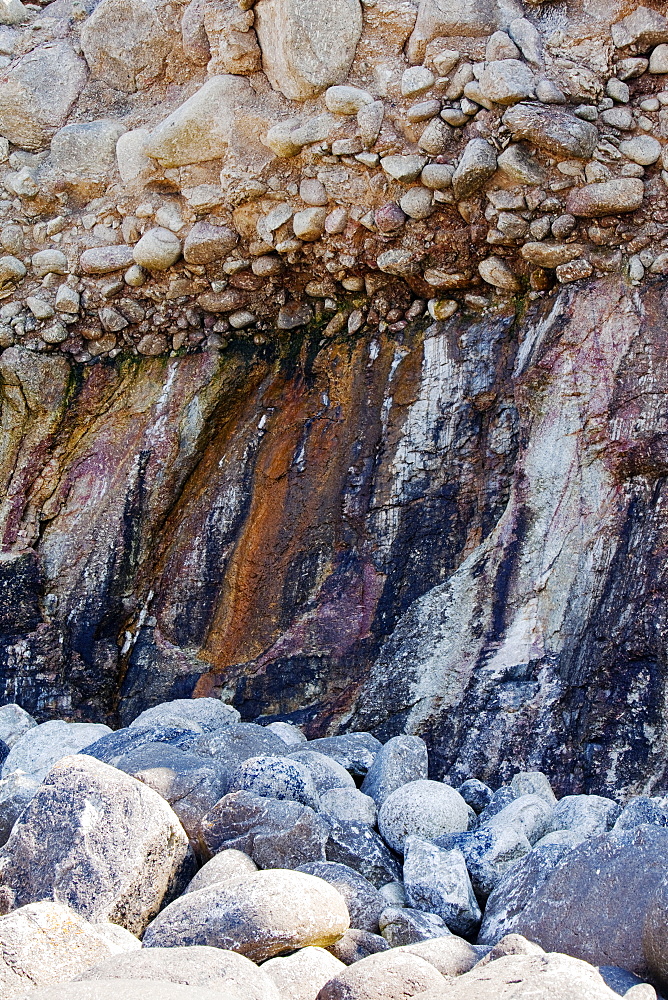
(400, 760)
(259, 915)
(641, 810)
(451, 955)
(359, 847)
(326, 772)
(128, 989)
(529, 815)
(236, 743)
(302, 975)
(14, 722)
(354, 751)
(589, 815)
(275, 778)
(221, 868)
(533, 783)
(365, 904)
(356, 945)
(388, 975)
(403, 926)
(274, 834)
(97, 840)
(16, 791)
(437, 881)
(475, 793)
(40, 747)
(112, 748)
(291, 735)
(349, 804)
(500, 799)
(207, 713)
(424, 808)
(489, 852)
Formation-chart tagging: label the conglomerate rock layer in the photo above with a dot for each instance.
(332, 370)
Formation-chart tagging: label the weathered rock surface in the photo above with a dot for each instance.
(303, 974)
(422, 808)
(391, 974)
(365, 904)
(41, 747)
(402, 759)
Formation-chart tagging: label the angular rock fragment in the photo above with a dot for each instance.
(437, 881)
(404, 926)
(125, 43)
(476, 165)
(359, 847)
(643, 27)
(14, 722)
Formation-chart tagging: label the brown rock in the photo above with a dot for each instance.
(624, 194)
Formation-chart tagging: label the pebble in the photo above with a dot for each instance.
(157, 250)
(11, 269)
(476, 165)
(424, 110)
(506, 81)
(309, 224)
(496, 272)
(642, 149)
(106, 260)
(49, 262)
(416, 80)
(445, 61)
(417, 203)
(618, 90)
(342, 100)
(658, 60)
(313, 192)
(403, 168)
(574, 270)
(606, 198)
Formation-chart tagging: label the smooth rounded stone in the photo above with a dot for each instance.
(528, 977)
(204, 244)
(553, 129)
(197, 965)
(393, 893)
(191, 784)
(274, 833)
(547, 92)
(623, 194)
(403, 926)
(291, 735)
(476, 794)
(489, 852)
(424, 110)
(343, 100)
(437, 176)
(596, 903)
(16, 791)
(349, 805)
(14, 721)
(326, 772)
(435, 137)
(416, 80)
(110, 749)
(658, 60)
(533, 783)
(49, 262)
(451, 955)
(11, 269)
(259, 915)
(45, 943)
(356, 945)
(133, 858)
(236, 743)
(587, 814)
(313, 192)
(506, 81)
(309, 224)
(388, 975)
(389, 217)
(528, 814)
(359, 847)
(566, 838)
(511, 944)
(128, 989)
(400, 760)
(638, 811)
(365, 903)
(222, 867)
(425, 808)
(496, 272)
(417, 202)
(157, 250)
(476, 165)
(40, 747)
(550, 254)
(516, 888)
(302, 975)
(354, 751)
(618, 117)
(370, 121)
(437, 881)
(403, 168)
(642, 149)
(275, 778)
(209, 714)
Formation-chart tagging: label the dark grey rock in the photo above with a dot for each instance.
(236, 743)
(325, 771)
(618, 979)
(437, 881)
(273, 833)
(109, 749)
(402, 926)
(476, 794)
(516, 888)
(501, 798)
(16, 791)
(275, 778)
(359, 847)
(638, 811)
(401, 759)
(489, 852)
(356, 945)
(354, 751)
(588, 814)
(365, 904)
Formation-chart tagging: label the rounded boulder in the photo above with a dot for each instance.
(387, 975)
(424, 808)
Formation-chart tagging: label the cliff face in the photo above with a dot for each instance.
(332, 370)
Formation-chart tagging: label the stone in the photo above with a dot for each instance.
(403, 926)
(435, 137)
(312, 192)
(638, 811)
(110, 749)
(403, 168)
(259, 915)
(354, 751)
(204, 244)
(307, 48)
(198, 965)
(365, 904)
(437, 881)
(84, 154)
(515, 890)
(451, 955)
(369, 122)
(401, 759)
(489, 852)
(596, 903)
(388, 218)
(356, 945)
(129, 989)
(388, 975)
(476, 165)
(533, 782)
(496, 272)
(224, 866)
(642, 149)
(643, 28)
(519, 166)
(475, 793)
(37, 93)
(442, 309)
(287, 138)
(416, 80)
(11, 269)
(13, 12)
(529, 815)
(302, 975)
(550, 254)
(547, 92)
(106, 260)
(501, 46)
(40, 308)
(125, 45)
(291, 735)
(275, 834)
(631, 68)
(566, 838)
(398, 262)
(359, 847)
(134, 164)
(133, 858)
(528, 39)
(349, 804)
(588, 814)
(575, 270)
(14, 722)
(553, 129)
(618, 90)
(450, 19)
(506, 81)
(445, 61)
(437, 176)
(67, 300)
(326, 772)
(618, 117)
(275, 778)
(424, 110)
(417, 202)
(658, 60)
(157, 250)
(41, 746)
(346, 100)
(47, 943)
(16, 791)
(424, 808)
(49, 262)
(309, 224)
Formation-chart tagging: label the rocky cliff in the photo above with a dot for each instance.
(332, 370)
